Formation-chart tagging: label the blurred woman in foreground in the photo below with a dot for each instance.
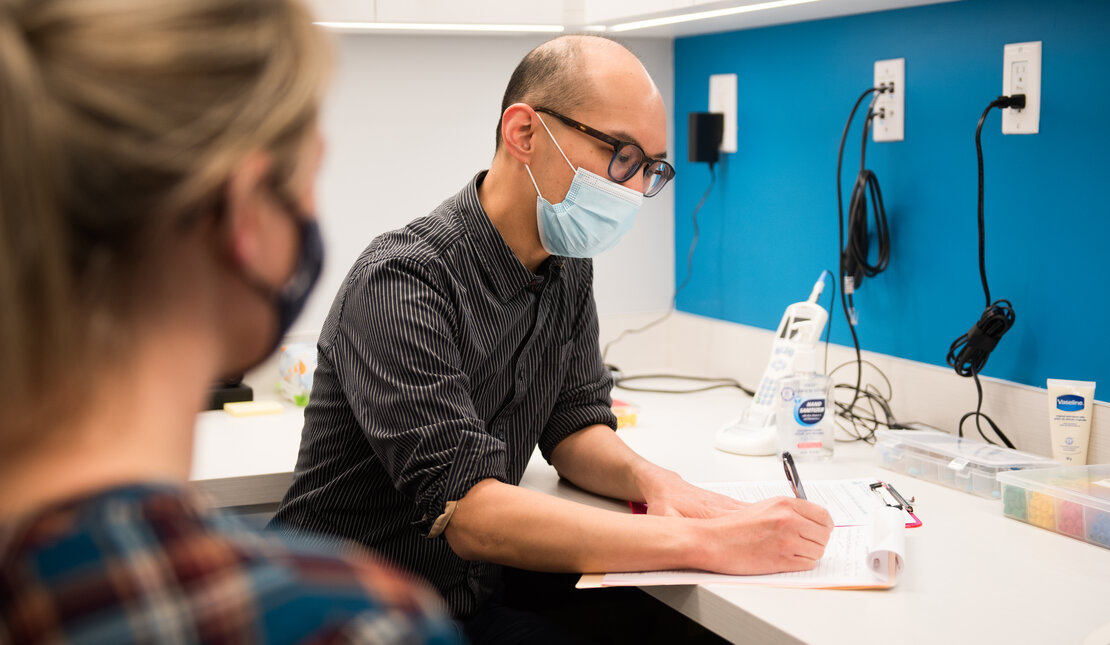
(157, 162)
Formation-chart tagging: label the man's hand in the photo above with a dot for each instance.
(668, 494)
(774, 535)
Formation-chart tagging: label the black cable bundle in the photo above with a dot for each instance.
(862, 414)
(854, 259)
(969, 353)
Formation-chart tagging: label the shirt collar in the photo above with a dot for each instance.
(503, 268)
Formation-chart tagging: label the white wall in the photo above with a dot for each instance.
(410, 119)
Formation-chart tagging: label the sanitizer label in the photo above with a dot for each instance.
(809, 412)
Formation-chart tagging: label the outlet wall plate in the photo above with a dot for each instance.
(722, 98)
(892, 125)
(1021, 74)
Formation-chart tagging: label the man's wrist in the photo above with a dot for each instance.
(691, 539)
(652, 480)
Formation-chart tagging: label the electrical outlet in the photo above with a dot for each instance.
(891, 126)
(722, 99)
(1021, 74)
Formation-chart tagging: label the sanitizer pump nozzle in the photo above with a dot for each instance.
(801, 326)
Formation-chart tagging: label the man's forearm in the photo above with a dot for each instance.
(599, 461)
(505, 524)
(497, 522)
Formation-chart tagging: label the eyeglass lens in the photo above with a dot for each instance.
(657, 177)
(627, 161)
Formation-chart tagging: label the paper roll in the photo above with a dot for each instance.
(888, 543)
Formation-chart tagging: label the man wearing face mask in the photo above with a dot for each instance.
(461, 342)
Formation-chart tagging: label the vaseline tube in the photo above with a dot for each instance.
(1069, 414)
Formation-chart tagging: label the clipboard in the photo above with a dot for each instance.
(867, 556)
(886, 495)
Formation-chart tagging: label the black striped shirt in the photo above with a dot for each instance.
(443, 362)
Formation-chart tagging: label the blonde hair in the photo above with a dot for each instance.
(119, 120)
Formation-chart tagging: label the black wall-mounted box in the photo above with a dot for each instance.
(705, 132)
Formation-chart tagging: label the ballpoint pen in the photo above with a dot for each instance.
(792, 475)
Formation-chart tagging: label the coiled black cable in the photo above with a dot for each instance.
(845, 293)
(856, 263)
(969, 353)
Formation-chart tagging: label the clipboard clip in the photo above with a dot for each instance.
(899, 501)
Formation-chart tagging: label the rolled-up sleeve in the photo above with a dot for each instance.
(584, 396)
(397, 358)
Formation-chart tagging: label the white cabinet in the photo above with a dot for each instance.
(611, 11)
(501, 12)
(343, 10)
(575, 14)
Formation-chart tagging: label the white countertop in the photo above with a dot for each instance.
(246, 460)
(971, 574)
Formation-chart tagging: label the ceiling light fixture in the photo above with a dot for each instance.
(418, 26)
(703, 15)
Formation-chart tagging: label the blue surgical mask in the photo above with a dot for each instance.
(593, 216)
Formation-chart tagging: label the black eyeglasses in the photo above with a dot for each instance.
(627, 159)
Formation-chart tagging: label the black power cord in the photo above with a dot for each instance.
(622, 381)
(689, 269)
(712, 384)
(854, 264)
(969, 353)
(870, 408)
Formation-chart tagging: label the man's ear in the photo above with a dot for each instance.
(244, 199)
(518, 128)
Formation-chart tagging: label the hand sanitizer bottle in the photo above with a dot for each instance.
(805, 417)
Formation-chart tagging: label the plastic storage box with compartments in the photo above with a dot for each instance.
(956, 462)
(1073, 500)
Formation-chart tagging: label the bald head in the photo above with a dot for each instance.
(568, 72)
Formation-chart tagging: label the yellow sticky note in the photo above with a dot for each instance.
(253, 408)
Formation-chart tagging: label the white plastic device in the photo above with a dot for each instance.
(802, 325)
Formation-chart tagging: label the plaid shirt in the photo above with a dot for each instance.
(149, 564)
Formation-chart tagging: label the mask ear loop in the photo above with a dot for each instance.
(557, 147)
(529, 171)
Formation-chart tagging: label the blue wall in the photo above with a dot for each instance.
(769, 228)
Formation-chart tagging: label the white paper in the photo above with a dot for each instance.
(856, 556)
(850, 502)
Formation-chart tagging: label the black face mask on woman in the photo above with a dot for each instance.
(290, 298)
